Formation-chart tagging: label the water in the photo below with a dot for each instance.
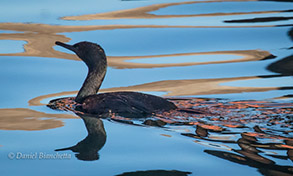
(225, 51)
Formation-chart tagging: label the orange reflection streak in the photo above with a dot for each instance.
(212, 127)
(37, 100)
(30, 120)
(35, 34)
(184, 88)
(166, 135)
(194, 87)
(247, 55)
(144, 12)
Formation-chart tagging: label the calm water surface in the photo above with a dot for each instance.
(224, 51)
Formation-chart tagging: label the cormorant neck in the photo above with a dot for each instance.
(92, 82)
(94, 57)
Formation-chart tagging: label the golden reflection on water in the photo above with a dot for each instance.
(195, 87)
(144, 12)
(247, 55)
(30, 120)
(35, 34)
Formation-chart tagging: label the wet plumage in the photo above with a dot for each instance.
(129, 104)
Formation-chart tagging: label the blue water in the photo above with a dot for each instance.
(186, 59)
(147, 41)
(223, 7)
(11, 46)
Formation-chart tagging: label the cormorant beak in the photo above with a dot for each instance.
(70, 47)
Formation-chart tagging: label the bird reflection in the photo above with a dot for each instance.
(250, 150)
(290, 151)
(156, 172)
(88, 148)
(250, 154)
(285, 65)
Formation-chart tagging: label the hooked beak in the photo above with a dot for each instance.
(70, 47)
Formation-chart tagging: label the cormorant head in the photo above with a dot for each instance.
(94, 57)
(92, 54)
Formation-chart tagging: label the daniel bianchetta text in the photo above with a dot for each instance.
(39, 156)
